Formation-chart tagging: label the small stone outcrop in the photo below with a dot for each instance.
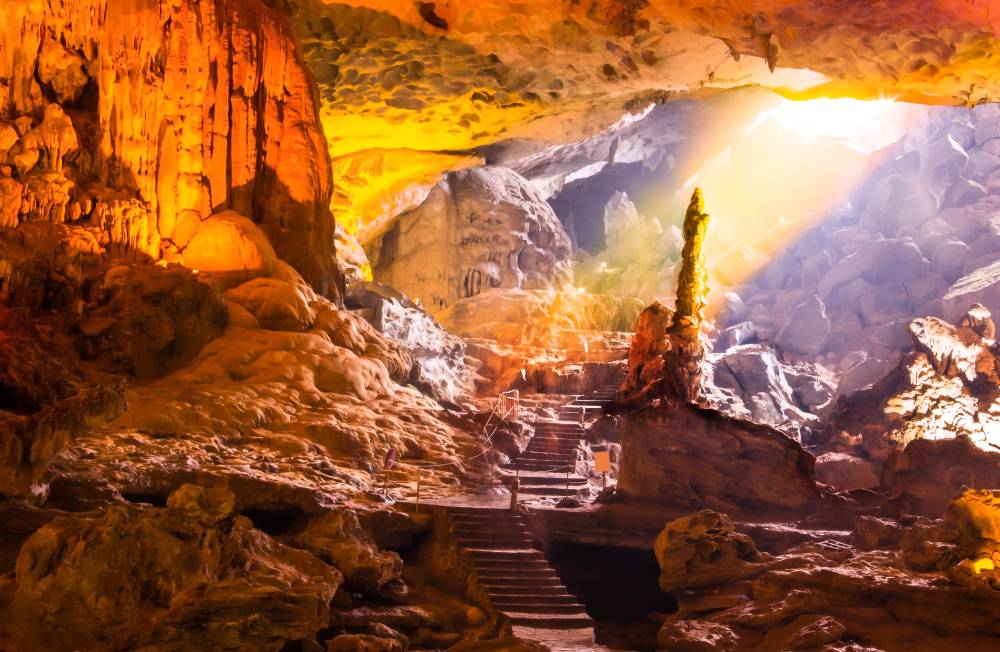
(704, 549)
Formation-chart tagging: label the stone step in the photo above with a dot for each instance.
(526, 576)
(551, 621)
(547, 490)
(546, 457)
(538, 607)
(549, 443)
(544, 466)
(501, 564)
(546, 478)
(485, 535)
(487, 542)
(552, 590)
(552, 465)
(507, 556)
(522, 584)
(530, 597)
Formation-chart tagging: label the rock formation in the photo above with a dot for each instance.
(923, 581)
(499, 234)
(676, 375)
(946, 387)
(682, 361)
(193, 574)
(684, 457)
(217, 112)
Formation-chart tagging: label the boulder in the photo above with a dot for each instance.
(194, 574)
(691, 457)
(979, 286)
(806, 329)
(338, 539)
(62, 71)
(962, 193)
(845, 472)
(697, 636)
(935, 471)
(704, 549)
(877, 261)
(863, 373)
(748, 381)
(987, 129)
(501, 234)
(363, 643)
(229, 246)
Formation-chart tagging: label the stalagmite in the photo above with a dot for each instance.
(682, 368)
(668, 350)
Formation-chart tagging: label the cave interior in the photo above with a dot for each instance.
(388, 325)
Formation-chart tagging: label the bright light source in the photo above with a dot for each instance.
(864, 125)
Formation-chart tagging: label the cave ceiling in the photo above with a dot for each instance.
(412, 89)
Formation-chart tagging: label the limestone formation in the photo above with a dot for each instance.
(676, 376)
(692, 551)
(498, 233)
(191, 575)
(946, 387)
(49, 399)
(217, 112)
(686, 456)
(147, 320)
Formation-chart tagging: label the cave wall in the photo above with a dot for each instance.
(189, 107)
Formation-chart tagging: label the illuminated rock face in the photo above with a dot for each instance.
(688, 457)
(947, 387)
(478, 230)
(190, 108)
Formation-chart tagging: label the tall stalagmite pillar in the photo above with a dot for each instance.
(682, 362)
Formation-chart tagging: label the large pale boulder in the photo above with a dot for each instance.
(478, 230)
(807, 327)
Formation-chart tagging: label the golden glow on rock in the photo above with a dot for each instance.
(983, 564)
(373, 186)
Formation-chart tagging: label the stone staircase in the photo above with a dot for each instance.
(547, 466)
(515, 575)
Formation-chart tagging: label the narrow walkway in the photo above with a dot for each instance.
(513, 572)
(548, 465)
(517, 577)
